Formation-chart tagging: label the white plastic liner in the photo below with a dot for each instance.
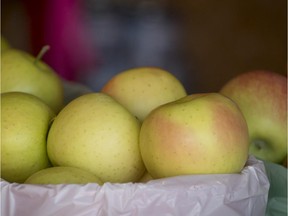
(218, 195)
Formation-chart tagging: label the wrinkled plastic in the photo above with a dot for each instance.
(226, 194)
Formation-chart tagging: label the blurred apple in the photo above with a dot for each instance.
(4, 44)
(20, 71)
(25, 121)
(262, 97)
(142, 89)
(62, 175)
(198, 134)
(96, 133)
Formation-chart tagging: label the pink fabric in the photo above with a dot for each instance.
(71, 52)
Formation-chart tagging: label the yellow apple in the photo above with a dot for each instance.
(25, 121)
(96, 133)
(197, 134)
(142, 89)
(262, 97)
(22, 72)
(62, 175)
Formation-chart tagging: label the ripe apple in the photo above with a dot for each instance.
(197, 134)
(142, 89)
(262, 97)
(20, 71)
(62, 175)
(96, 133)
(25, 121)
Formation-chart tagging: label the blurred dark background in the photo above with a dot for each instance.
(203, 43)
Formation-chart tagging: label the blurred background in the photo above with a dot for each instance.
(203, 43)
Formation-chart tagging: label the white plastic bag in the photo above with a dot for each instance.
(217, 195)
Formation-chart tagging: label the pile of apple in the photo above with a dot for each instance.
(142, 125)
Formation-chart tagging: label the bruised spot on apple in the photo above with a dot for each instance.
(198, 134)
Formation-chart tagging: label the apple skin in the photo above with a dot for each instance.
(25, 121)
(63, 175)
(19, 72)
(142, 89)
(262, 97)
(198, 134)
(96, 133)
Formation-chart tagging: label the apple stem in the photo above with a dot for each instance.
(41, 53)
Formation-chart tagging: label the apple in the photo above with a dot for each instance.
(62, 175)
(96, 133)
(198, 134)
(25, 121)
(142, 89)
(4, 44)
(20, 71)
(262, 97)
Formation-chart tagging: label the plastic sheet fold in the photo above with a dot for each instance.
(240, 194)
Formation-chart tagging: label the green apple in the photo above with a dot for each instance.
(142, 89)
(96, 133)
(4, 44)
(25, 121)
(63, 175)
(197, 134)
(20, 71)
(262, 97)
